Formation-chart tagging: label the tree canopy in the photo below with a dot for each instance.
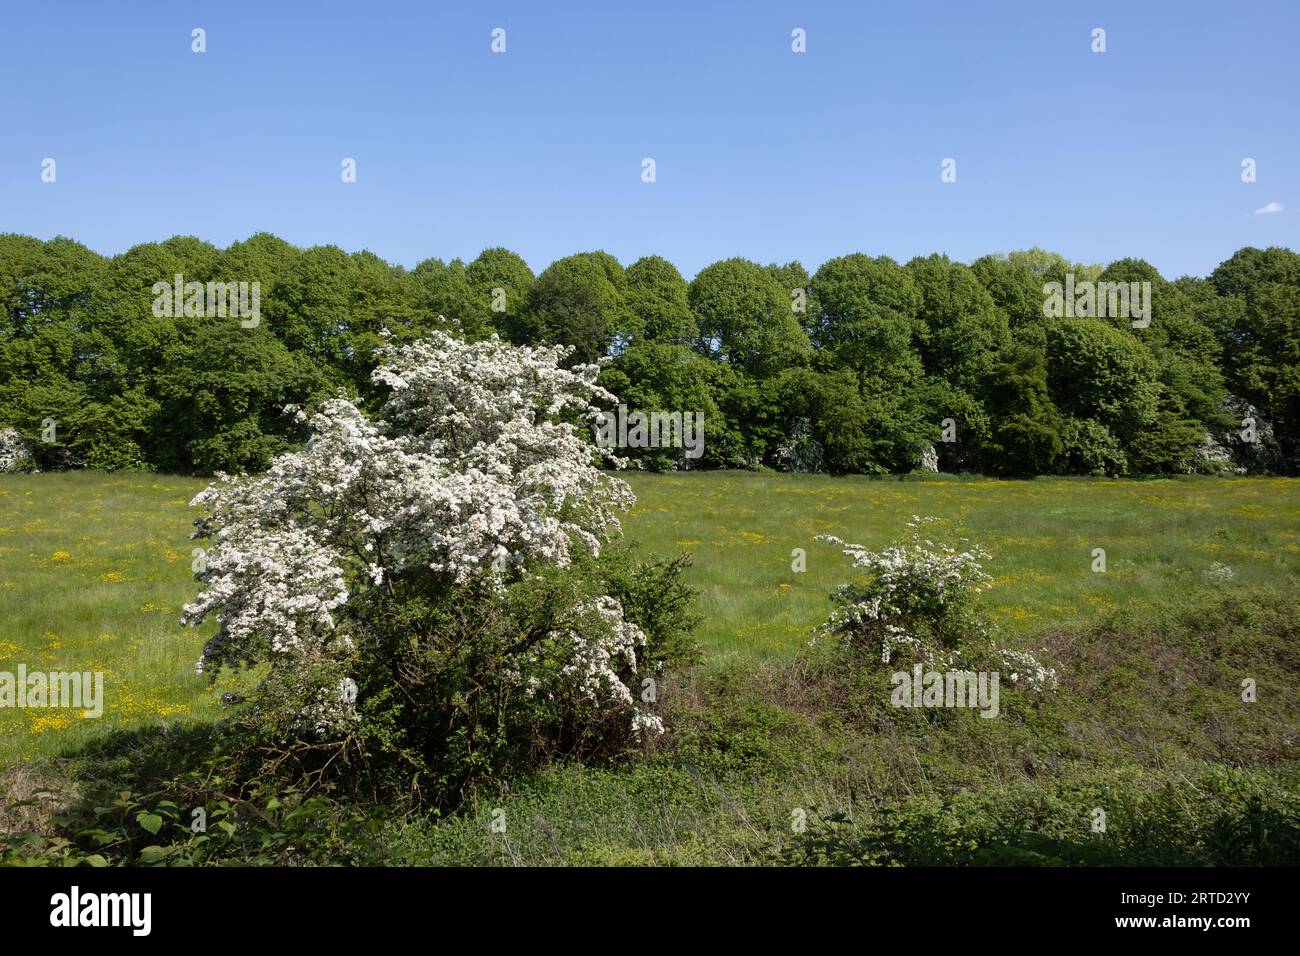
(861, 366)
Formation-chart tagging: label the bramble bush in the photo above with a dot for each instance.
(105, 827)
(1240, 819)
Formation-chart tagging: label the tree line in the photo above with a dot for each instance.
(865, 366)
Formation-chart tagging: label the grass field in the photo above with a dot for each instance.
(95, 567)
(1159, 538)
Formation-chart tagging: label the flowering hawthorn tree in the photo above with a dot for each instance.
(918, 599)
(15, 452)
(475, 478)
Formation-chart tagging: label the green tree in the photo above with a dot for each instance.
(667, 377)
(658, 297)
(960, 329)
(1257, 325)
(1191, 400)
(581, 301)
(500, 269)
(863, 310)
(1100, 373)
(745, 318)
(1024, 425)
(442, 297)
(222, 397)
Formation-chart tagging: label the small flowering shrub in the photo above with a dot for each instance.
(432, 586)
(15, 452)
(801, 452)
(929, 458)
(918, 603)
(1218, 573)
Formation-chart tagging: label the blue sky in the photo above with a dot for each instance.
(759, 152)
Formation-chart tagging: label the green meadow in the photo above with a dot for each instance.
(95, 567)
(1159, 538)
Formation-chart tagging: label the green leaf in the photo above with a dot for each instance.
(152, 854)
(150, 821)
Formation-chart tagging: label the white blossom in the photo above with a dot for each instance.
(15, 451)
(915, 600)
(476, 455)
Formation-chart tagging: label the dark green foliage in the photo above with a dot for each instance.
(1024, 827)
(746, 318)
(656, 375)
(657, 296)
(1257, 320)
(580, 301)
(442, 713)
(500, 269)
(855, 367)
(1147, 725)
(1099, 373)
(223, 393)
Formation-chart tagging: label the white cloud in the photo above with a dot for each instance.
(1271, 207)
